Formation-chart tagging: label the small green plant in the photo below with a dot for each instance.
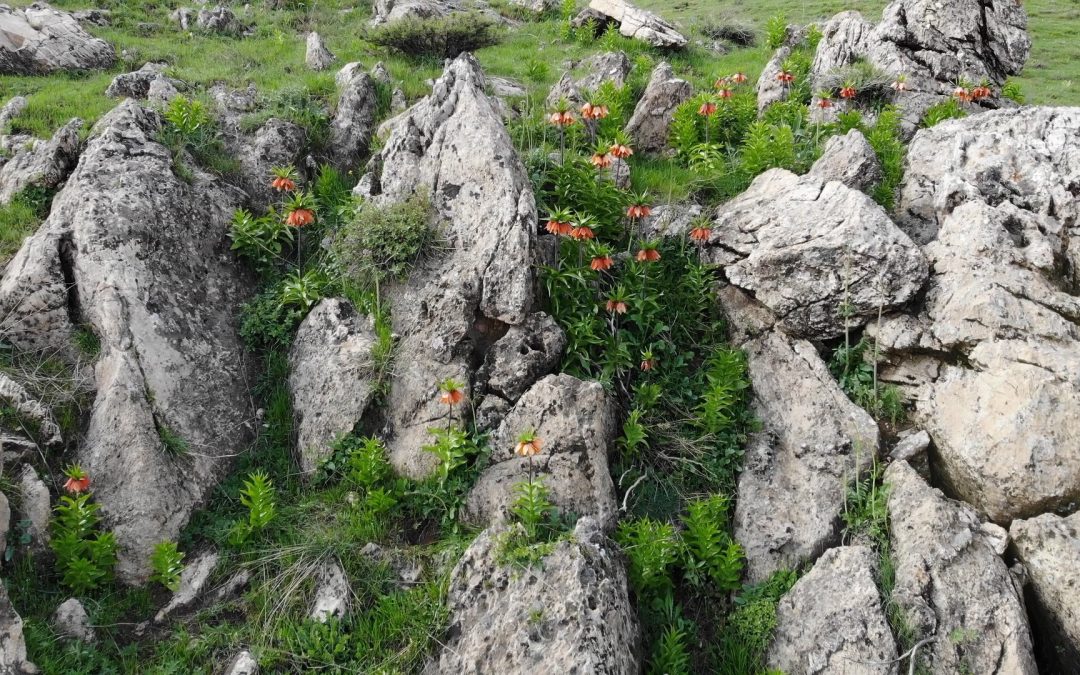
(635, 437)
(671, 655)
(189, 119)
(262, 240)
(258, 495)
(710, 552)
(442, 38)
(172, 443)
(85, 557)
(167, 564)
(939, 112)
(302, 291)
(189, 126)
(87, 341)
(383, 243)
(866, 509)
(653, 549)
(1014, 92)
(776, 32)
(858, 378)
(531, 506)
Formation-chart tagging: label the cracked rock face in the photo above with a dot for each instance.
(849, 159)
(140, 256)
(12, 644)
(136, 84)
(38, 40)
(354, 120)
(569, 613)
(44, 165)
(461, 299)
(639, 24)
(613, 67)
(952, 584)
(991, 356)
(832, 620)
(805, 248)
(276, 143)
(651, 121)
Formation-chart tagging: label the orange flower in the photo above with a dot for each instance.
(786, 77)
(587, 110)
(648, 255)
(621, 151)
(639, 211)
(77, 485)
(825, 102)
(591, 111)
(582, 232)
(648, 364)
(700, 234)
(529, 445)
(722, 83)
(963, 95)
(616, 306)
(561, 119)
(848, 92)
(452, 397)
(900, 84)
(725, 93)
(559, 228)
(601, 263)
(282, 184)
(601, 160)
(300, 217)
(739, 78)
(707, 109)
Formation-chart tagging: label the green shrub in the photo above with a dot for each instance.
(87, 341)
(884, 137)
(776, 32)
(653, 549)
(442, 38)
(85, 557)
(189, 126)
(383, 243)
(258, 495)
(1014, 92)
(531, 506)
(302, 291)
(711, 553)
(172, 443)
(167, 564)
(939, 112)
(671, 655)
(264, 241)
(266, 323)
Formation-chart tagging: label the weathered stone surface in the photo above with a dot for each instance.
(459, 301)
(538, 6)
(832, 620)
(951, 584)
(330, 378)
(814, 441)
(576, 421)
(639, 24)
(45, 165)
(805, 248)
(141, 256)
(613, 67)
(317, 56)
(277, 143)
(570, 613)
(193, 583)
(525, 354)
(651, 121)
(12, 645)
(769, 89)
(38, 40)
(12, 109)
(1049, 547)
(242, 664)
(161, 92)
(670, 220)
(332, 593)
(32, 411)
(354, 121)
(136, 84)
(387, 11)
(71, 621)
(219, 20)
(97, 17)
(850, 160)
(34, 507)
(5, 522)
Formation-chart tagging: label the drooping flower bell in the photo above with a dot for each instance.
(739, 78)
(616, 303)
(528, 445)
(701, 233)
(451, 393)
(848, 91)
(284, 179)
(785, 77)
(559, 223)
(900, 84)
(707, 109)
(77, 480)
(648, 361)
(621, 150)
(648, 253)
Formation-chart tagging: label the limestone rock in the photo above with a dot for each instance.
(243, 664)
(651, 121)
(354, 121)
(332, 593)
(569, 613)
(71, 621)
(136, 84)
(35, 413)
(161, 92)
(850, 160)
(832, 619)
(525, 354)
(275, 144)
(538, 6)
(5, 523)
(613, 67)
(1049, 547)
(951, 584)
(193, 583)
(35, 507)
(44, 165)
(330, 378)
(219, 20)
(12, 109)
(805, 248)
(388, 11)
(577, 423)
(141, 257)
(38, 40)
(639, 24)
(456, 303)
(317, 57)
(814, 442)
(12, 645)
(670, 220)
(96, 17)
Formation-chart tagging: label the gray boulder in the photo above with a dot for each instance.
(538, 6)
(317, 56)
(140, 255)
(45, 164)
(5, 523)
(354, 120)
(194, 582)
(12, 109)
(651, 121)
(136, 84)
(613, 67)
(522, 356)
(35, 508)
(38, 40)
(276, 143)
(806, 248)
(1049, 548)
(640, 24)
(330, 378)
(34, 416)
(219, 20)
(388, 11)
(569, 613)
(70, 620)
(12, 644)
(242, 664)
(576, 422)
(833, 621)
(850, 160)
(951, 585)
(454, 146)
(333, 596)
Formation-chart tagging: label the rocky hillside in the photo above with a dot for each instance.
(449, 336)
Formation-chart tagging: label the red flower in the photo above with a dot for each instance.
(282, 184)
(722, 83)
(725, 93)
(590, 111)
(601, 160)
(700, 234)
(300, 217)
(825, 102)
(601, 263)
(639, 211)
(529, 445)
(561, 119)
(582, 232)
(739, 78)
(559, 228)
(452, 397)
(900, 84)
(648, 255)
(621, 151)
(616, 306)
(76, 485)
(786, 77)
(648, 364)
(707, 109)
(847, 92)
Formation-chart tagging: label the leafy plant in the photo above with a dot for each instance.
(167, 564)
(653, 549)
(85, 557)
(87, 341)
(531, 505)
(671, 655)
(939, 112)
(302, 292)
(189, 126)
(776, 32)
(858, 378)
(1014, 92)
(383, 243)
(171, 442)
(261, 240)
(884, 137)
(442, 38)
(258, 495)
(710, 551)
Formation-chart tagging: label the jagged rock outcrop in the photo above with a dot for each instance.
(833, 621)
(992, 195)
(388, 11)
(35, 419)
(193, 584)
(951, 583)
(1049, 548)
(35, 507)
(354, 120)
(242, 664)
(277, 143)
(136, 84)
(813, 443)
(640, 24)
(141, 257)
(807, 248)
(5, 522)
(463, 298)
(525, 354)
(331, 374)
(70, 620)
(849, 159)
(12, 644)
(317, 56)
(568, 613)
(613, 67)
(12, 109)
(538, 6)
(576, 422)
(651, 121)
(38, 40)
(44, 165)
(333, 595)
(219, 20)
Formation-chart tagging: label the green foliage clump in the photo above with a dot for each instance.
(711, 553)
(939, 112)
(85, 557)
(262, 240)
(653, 549)
(167, 564)
(190, 127)
(748, 630)
(671, 656)
(172, 443)
(382, 244)
(1014, 92)
(258, 496)
(884, 138)
(440, 38)
(776, 32)
(21, 217)
(858, 378)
